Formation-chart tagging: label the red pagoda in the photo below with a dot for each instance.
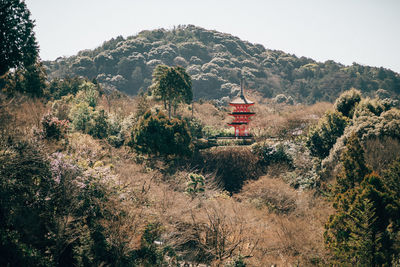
(241, 113)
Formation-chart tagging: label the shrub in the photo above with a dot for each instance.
(368, 107)
(84, 147)
(157, 135)
(98, 128)
(210, 131)
(347, 101)
(236, 262)
(366, 127)
(321, 138)
(116, 140)
(382, 94)
(81, 115)
(88, 93)
(281, 98)
(272, 193)
(119, 128)
(52, 210)
(195, 184)
(195, 127)
(233, 165)
(61, 107)
(87, 120)
(269, 154)
(53, 128)
(24, 181)
(149, 254)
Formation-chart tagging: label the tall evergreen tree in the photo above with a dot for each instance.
(173, 85)
(354, 166)
(34, 80)
(359, 232)
(364, 229)
(364, 241)
(18, 45)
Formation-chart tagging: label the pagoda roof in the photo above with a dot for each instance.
(237, 123)
(242, 113)
(241, 99)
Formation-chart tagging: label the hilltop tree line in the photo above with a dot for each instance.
(216, 62)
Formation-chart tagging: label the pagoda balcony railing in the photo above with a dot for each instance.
(241, 121)
(241, 109)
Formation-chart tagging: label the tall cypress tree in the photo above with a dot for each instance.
(354, 166)
(364, 241)
(364, 229)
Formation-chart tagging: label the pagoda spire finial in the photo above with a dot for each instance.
(242, 87)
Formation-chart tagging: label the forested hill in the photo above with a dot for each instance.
(216, 62)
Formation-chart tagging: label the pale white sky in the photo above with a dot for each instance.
(362, 31)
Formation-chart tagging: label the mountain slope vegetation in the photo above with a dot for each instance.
(95, 179)
(216, 62)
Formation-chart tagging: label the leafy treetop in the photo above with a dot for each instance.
(173, 85)
(18, 45)
(157, 135)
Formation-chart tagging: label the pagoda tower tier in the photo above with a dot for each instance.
(241, 114)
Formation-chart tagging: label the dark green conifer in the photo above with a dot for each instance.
(364, 229)
(354, 166)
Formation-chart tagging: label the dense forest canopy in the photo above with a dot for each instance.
(216, 62)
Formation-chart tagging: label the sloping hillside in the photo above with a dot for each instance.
(216, 61)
